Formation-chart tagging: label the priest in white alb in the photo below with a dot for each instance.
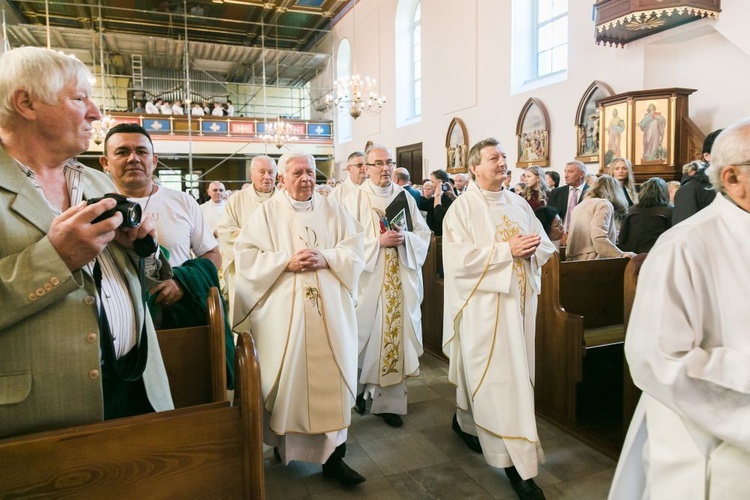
(390, 291)
(688, 347)
(297, 261)
(355, 166)
(239, 207)
(493, 251)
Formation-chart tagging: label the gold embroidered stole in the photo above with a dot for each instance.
(504, 231)
(323, 378)
(391, 358)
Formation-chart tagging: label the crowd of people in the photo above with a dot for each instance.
(330, 285)
(160, 106)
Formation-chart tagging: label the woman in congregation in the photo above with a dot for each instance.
(552, 224)
(648, 219)
(536, 191)
(622, 170)
(593, 231)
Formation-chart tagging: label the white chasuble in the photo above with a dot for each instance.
(688, 349)
(390, 293)
(490, 322)
(239, 207)
(304, 324)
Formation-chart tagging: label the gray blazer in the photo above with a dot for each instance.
(50, 374)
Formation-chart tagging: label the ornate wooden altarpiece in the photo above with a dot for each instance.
(652, 129)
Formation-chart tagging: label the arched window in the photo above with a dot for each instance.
(344, 121)
(408, 61)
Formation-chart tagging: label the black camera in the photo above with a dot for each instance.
(446, 187)
(131, 211)
(131, 217)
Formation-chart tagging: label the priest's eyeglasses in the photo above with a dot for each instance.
(380, 164)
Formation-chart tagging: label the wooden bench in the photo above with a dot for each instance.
(630, 393)
(579, 337)
(206, 448)
(432, 304)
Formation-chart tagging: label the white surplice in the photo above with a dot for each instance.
(304, 324)
(341, 191)
(390, 337)
(239, 207)
(688, 348)
(490, 321)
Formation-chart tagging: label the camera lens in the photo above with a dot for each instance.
(132, 215)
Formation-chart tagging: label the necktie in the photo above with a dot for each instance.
(572, 202)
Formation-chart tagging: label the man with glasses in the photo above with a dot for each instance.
(688, 348)
(390, 291)
(355, 165)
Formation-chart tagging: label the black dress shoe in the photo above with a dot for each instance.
(276, 454)
(526, 489)
(360, 405)
(390, 419)
(471, 441)
(342, 473)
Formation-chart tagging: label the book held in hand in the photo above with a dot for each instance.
(398, 213)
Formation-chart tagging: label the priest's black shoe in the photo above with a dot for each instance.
(471, 441)
(526, 489)
(390, 419)
(335, 468)
(360, 405)
(342, 473)
(276, 454)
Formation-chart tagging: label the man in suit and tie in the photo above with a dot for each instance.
(69, 286)
(566, 197)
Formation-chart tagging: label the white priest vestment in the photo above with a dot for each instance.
(688, 347)
(341, 191)
(304, 324)
(388, 304)
(239, 208)
(490, 323)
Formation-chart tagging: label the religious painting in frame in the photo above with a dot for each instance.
(587, 122)
(532, 132)
(652, 132)
(615, 133)
(457, 147)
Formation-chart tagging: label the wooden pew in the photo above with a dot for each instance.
(209, 450)
(630, 393)
(578, 330)
(432, 304)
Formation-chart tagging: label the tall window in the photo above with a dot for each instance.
(408, 59)
(344, 121)
(551, 36)
(416, 43)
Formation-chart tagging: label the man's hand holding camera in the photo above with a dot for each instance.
(76, 239)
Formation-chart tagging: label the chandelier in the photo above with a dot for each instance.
(278, 133)
(99, 128)
(356, 93)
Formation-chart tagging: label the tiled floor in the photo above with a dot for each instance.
(424, 459)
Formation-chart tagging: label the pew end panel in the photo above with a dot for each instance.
(194, 358)
(579, 339)
(433, 302)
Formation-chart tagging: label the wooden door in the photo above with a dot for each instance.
(410, 158)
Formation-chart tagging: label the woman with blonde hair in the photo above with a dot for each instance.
(536, 191)
(593, 231)
(622, 170)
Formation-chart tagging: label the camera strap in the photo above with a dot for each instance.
(127, 372)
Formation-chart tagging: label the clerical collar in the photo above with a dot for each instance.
(381, 191)
(263, 195)
(299, 206)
